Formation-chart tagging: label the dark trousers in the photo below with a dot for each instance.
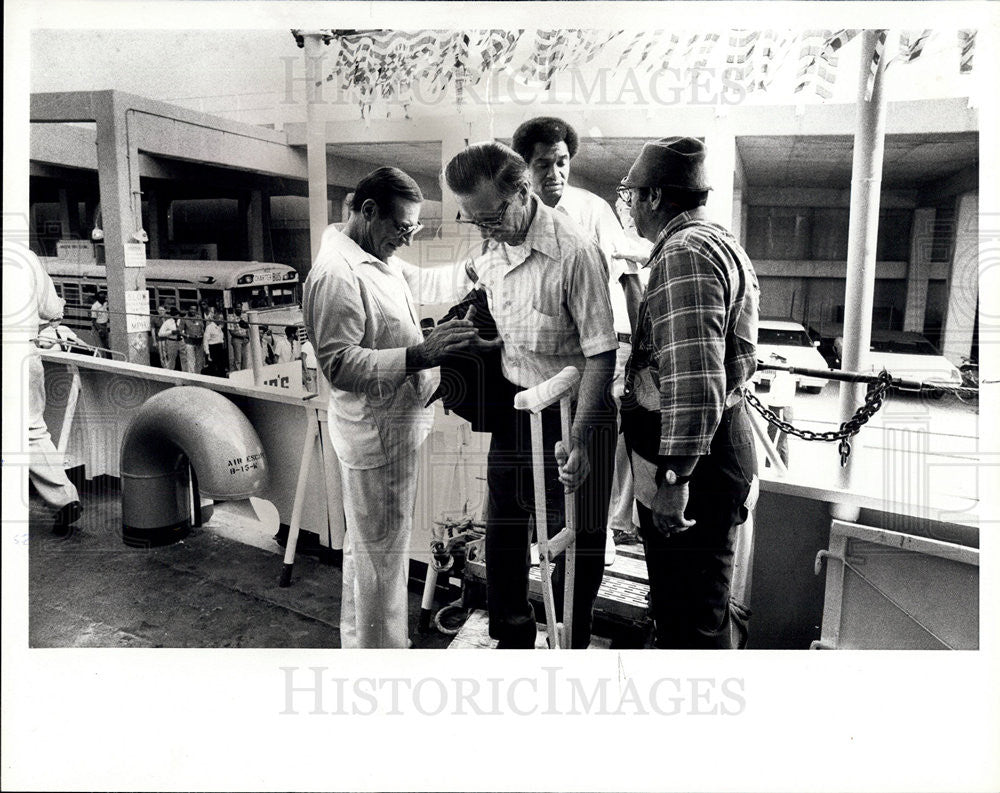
(219, 364)
(690, 573)
(509, 525)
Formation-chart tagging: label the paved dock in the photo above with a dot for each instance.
(208, 590)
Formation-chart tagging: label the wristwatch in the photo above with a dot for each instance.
(661, 475)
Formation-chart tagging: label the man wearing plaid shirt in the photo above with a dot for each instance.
(684, 415)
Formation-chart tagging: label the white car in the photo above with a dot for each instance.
(788, 343)
(912, 357)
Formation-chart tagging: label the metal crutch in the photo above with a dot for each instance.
(560, 388)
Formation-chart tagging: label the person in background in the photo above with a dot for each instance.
(193, 333)
(155, 323)
(309, 380)
(239, 337)
(56, 336)
(683, 410)
(361, 318)
(292, 334)
(282, 346)
(549, 145)
(214, 346)
(546, 284)
(267, 351)
(169, 336)
(46, 469)
(100, 320)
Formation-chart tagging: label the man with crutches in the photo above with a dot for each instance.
(547, 289)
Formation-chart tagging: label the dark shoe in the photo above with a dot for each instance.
(62, 525)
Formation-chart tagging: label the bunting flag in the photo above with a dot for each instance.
(911, 46)
(705, 47)
(632, 46)
(558, 50)
(818, 58)
(967, 44)
(386, 68)
(739, 60)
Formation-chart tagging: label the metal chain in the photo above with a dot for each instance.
(848, 429)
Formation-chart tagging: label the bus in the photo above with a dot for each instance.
(267, 287)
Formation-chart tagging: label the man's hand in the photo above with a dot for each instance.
(668, 507)
(455, 334)
(574, 467)
(479, 343)
(634, 258)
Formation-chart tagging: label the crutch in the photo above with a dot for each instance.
(560, 388)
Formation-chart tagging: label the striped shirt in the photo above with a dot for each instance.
(696, 341)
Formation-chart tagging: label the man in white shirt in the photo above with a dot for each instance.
(46, 465)
(56, 336)
(548, 145)
(282, 346)
(169, 336)
(100, 320)
(361, 319)
(214, 345)
(547, 288)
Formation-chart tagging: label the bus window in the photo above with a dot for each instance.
(71, 294)
(152, 300)
(254, 296)
(58, 289)
(166, 297)
(283, 295)
(88, 294)
(187, 298)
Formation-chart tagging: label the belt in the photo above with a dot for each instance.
(624, 338)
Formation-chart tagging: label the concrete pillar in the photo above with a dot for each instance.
(255, 226)
(866, 185)
(720, 162)
(963, 285)
(65, 215)
(155, 227)
(121, 214)
(315, 142)
(921, 245)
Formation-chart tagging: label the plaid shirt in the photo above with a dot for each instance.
(697, 330)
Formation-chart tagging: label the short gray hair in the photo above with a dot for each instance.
(487, 162)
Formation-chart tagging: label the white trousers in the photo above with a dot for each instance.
(622, 505)
(46, 468)
(194, 358)
(378, 508)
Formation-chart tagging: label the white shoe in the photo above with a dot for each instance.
(609, 550)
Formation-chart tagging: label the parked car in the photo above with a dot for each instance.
(789, 344)
(911, 356)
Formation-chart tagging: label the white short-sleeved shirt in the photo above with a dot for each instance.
(549, 297)
(595, 216)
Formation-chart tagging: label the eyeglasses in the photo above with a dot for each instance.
(490, 223)
(625, 194)
(407, 232)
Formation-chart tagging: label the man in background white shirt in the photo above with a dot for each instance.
(548, 145)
